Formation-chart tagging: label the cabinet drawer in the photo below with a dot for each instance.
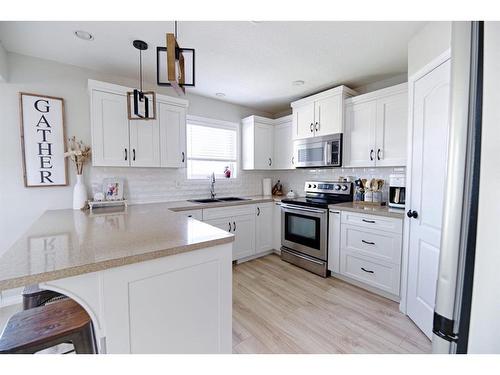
(381, 275)
(373, 221)
(220, 212)
(195, 214)
(385, 246)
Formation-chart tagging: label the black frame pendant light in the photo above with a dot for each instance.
(139, 102)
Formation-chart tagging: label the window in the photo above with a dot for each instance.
(211, 148)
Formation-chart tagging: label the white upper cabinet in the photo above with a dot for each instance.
(376, 128)
(172, 120)
(283, 143)
(120, 142)
(110, 130)
(320, 114)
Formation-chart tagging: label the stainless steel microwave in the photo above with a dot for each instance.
(325, 151)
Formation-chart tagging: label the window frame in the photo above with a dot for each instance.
(220, 124)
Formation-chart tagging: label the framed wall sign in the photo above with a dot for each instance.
(43, 140)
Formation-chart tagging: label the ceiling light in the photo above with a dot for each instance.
(298, 83)
(220, 94)
(83, 35)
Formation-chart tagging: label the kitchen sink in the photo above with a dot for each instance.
(232, 199)
(207, 200)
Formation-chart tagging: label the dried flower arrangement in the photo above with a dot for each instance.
(79, 153)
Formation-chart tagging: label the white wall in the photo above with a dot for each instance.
(428, 43)
(20, 206)
(4, 67)
(484, 333)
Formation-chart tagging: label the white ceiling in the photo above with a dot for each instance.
(253, 63)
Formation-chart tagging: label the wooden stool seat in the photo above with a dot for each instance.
(39, 328)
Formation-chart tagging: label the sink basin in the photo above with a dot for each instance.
(207, 200)
(231, 199)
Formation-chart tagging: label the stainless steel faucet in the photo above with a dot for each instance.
(212, 185)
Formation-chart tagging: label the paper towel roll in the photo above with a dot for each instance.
(266, 186)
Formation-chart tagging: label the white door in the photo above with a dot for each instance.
(110, 130)
(359, 147)
(303, 121)
(243, 227)
(172, 124)
(392, 130)
(263, 146)
(264, 227)
(328, 115)
(283, 146)
(427, 174)
(144, 143)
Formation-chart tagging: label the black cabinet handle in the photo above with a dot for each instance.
(368, 242)
(229, 226)
(378, 154)
(234, 226)
(412, 214)
(369, 221)
(182, 156)
(371, 154)
(258, 211)
(270, 161)
(126, 154)
(367, 271)
(311, 127)
(293, 160)
(133, 154)
(317, 126)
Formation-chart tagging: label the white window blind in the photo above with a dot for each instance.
(211, 148)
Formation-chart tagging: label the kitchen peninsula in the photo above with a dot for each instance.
(152, 280)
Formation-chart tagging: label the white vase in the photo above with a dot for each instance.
(79, 193)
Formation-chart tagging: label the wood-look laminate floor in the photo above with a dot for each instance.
(280, 308)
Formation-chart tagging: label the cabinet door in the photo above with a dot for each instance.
(225, 223)
(391, 130)
(172, 124)
(303, 121)
(264, 227)
(283, 146)
(243, 227)
(110, 130)
(328, 116)
(359, 148)
(263, 146)
(144, 143)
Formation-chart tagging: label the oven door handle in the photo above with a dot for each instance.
(297, 208)
(305, 258)
(328, 153)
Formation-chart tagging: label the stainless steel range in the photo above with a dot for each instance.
(304, 224)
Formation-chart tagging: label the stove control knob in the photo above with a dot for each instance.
(314, 186)
(337, 187)
(309, 186)
(344, 187)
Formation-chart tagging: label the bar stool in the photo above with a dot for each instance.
(33, 296)
(43, 327)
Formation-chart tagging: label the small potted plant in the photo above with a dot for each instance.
(79, 153)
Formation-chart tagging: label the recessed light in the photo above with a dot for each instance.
(83, 35)
(220, 94)
(298, 83)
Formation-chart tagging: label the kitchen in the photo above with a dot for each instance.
(303, 216)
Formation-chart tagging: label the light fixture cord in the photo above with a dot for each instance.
(140, 68)
(175, 30)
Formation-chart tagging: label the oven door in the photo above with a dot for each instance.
(304, 229)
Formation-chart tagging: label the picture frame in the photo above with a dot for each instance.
(43, 140)
(112, 189)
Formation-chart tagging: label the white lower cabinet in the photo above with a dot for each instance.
(366, 249)
(277, 226)
(195, 214)
(263, 227)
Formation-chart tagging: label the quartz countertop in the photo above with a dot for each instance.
(64, 243)
(387, 211)
(187, 205)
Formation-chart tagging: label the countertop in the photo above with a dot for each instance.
(64, 243)
(387, 211)
(187, 205)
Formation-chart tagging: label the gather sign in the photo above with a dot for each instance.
(43, 140)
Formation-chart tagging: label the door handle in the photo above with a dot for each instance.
(258, 211)
(126, 154)
(311, 127)
(317, 126)
(270, 161)
(234, 226)
(378, 154)
(133, 154)
(229, 226)
(371, 154)
(412, 214)
(367, 271)
(368, 221)
(368, 242)
(183, 158)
